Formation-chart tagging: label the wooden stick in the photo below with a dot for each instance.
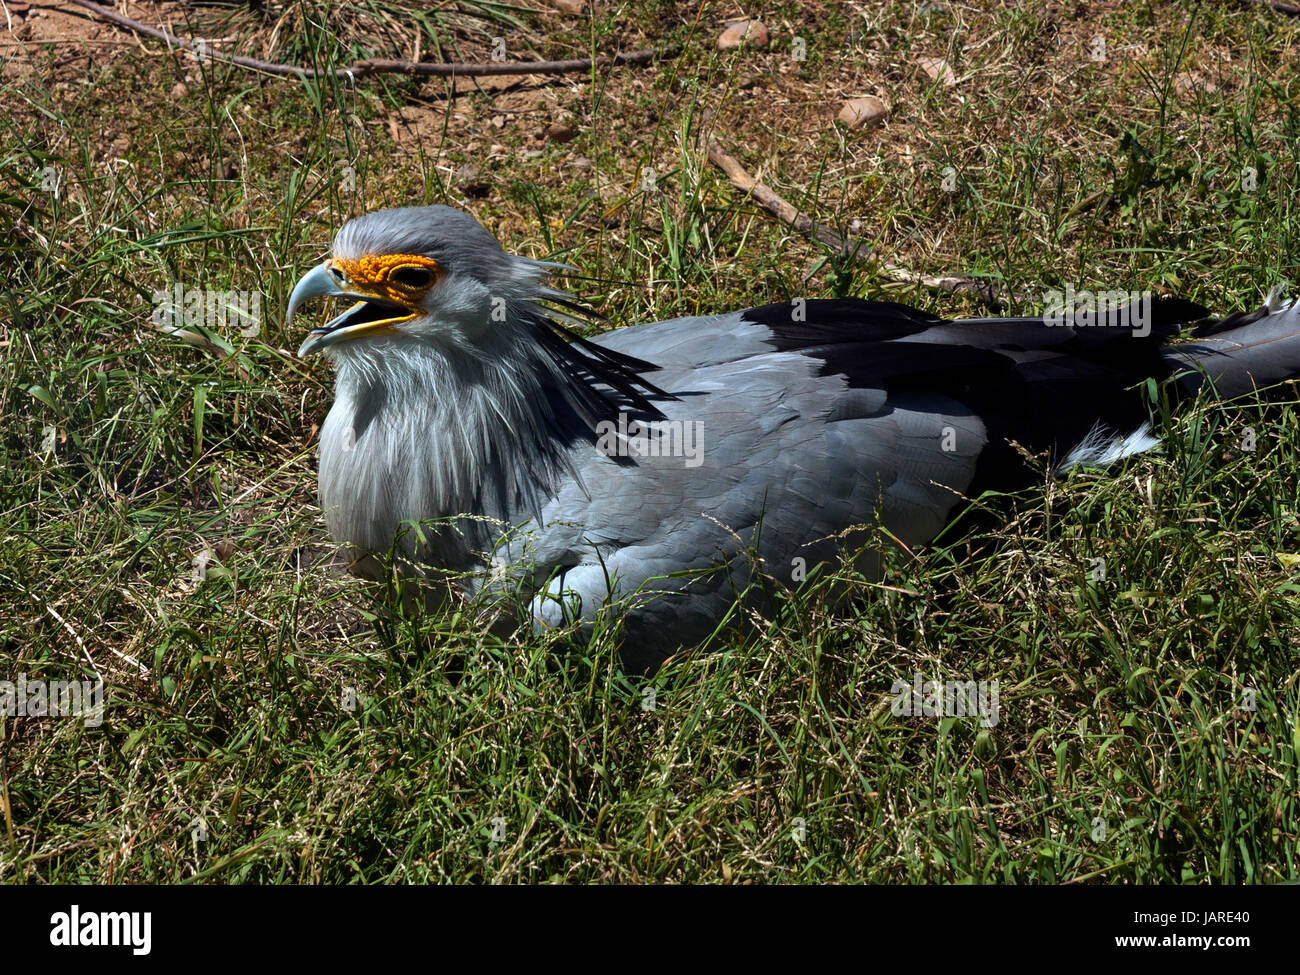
(746, 183)
(439, 69)
(362, 69)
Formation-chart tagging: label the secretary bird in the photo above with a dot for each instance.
(654, 467)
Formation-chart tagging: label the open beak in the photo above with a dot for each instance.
(372, 314)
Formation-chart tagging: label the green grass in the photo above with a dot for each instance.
(157, 497)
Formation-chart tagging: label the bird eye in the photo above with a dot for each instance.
(338, 275)
(412, 276)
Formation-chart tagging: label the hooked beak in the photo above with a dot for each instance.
(370, 315)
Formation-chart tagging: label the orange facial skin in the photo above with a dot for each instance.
(403, 279)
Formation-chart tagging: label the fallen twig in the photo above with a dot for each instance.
(785, 211)
(361, 69)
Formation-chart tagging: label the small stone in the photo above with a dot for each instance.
(498, 121)
(179, 91)
(858, 113)
(224, 549)
(939, 70)
(561, 132)
(748, 82)
(570, 6)
(580, 162)
(738, 32)
(469, 178)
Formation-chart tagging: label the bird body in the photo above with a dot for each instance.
(656, 466)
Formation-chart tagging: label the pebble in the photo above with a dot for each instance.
(751, 32)
(858, 113)
(939, 70)
(561, 132)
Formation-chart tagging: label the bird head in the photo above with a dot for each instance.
(437, 302)
(424, 274)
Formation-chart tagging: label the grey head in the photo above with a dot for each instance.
(453, 238)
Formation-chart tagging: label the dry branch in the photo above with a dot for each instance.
(801, 222)
(361, 69)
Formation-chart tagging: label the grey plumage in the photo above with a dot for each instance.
(476, 419)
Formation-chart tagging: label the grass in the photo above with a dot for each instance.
(288, 724)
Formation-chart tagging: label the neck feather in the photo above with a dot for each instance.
(473, 436)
